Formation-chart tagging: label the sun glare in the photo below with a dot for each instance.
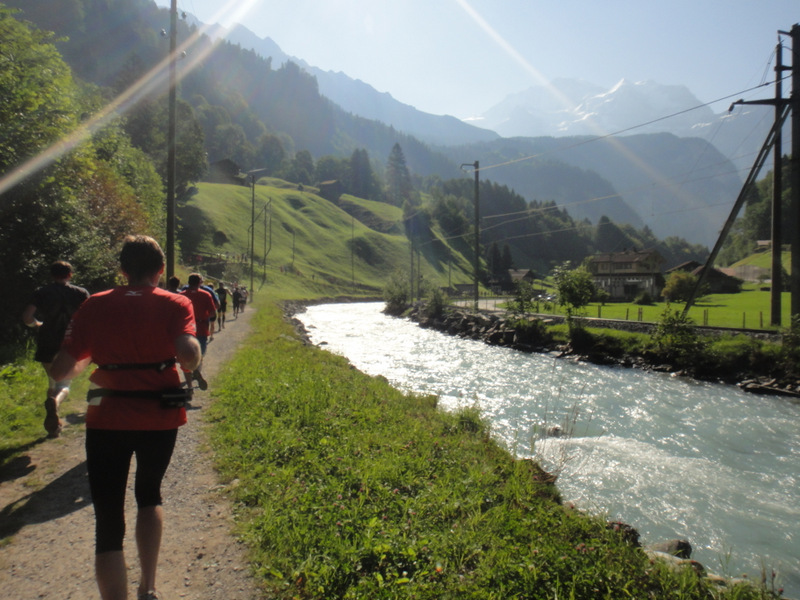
(541, 80)
(190, 54)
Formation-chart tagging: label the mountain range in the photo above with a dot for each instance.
(566, 107)
(671, 164)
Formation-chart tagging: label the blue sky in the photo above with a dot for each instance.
(461, 57)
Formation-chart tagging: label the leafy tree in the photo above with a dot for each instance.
(37, 96)
(575, 288)
(226, 142)
(76, 208)
(147, 126)
(301, 168)
(270, 153)
(449, 211)
(679, 286)
(137, 173)
(524, 295)
(398, 178)
(330, 168)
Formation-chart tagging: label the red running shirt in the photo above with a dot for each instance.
(204, 307)
(131, 324)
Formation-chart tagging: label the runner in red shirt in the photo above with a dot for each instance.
(135, 334)
(205, 309)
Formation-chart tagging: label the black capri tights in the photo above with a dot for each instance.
(108, 459)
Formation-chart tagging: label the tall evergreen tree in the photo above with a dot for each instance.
(398, 178)
(363, 182)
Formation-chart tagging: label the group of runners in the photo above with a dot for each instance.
(148, 345)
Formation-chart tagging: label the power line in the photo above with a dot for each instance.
(621, 131)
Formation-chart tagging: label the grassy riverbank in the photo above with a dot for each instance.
(347, 488)
(351, 489)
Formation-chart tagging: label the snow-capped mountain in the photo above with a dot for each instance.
(572, 107)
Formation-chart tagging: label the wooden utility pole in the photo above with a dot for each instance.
(477, 263)
(477, 234)
(253, 231)
(171, 127)
(774, 140)
(776, 274)
(794, 170)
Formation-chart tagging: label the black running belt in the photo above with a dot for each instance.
(158, 366)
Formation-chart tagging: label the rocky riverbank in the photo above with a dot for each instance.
(530, 334)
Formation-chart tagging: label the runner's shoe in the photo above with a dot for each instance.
(52, 424)
(201, 382)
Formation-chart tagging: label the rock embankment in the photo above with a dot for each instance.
(529, 334)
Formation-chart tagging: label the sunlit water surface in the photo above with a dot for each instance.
(674, 458)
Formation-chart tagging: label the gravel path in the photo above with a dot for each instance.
(46, 513)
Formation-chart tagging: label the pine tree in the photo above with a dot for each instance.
(398, 179)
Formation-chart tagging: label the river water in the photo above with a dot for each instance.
(675, 458)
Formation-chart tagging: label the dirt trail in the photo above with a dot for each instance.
(46, 511)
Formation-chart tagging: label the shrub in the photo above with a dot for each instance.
(790, 346)
(531, 331)
(397, 293)
(580, 338)
(436, 303)
(675, 338)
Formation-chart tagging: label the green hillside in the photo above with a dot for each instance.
(354, 245)
(764, 259)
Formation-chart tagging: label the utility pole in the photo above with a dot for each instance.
(252, 230)
(411, 248)
(776, 289)
(477, 263)
(794, 170)
(267, 214)
(173, 35)
(352, 253)
(774, 139)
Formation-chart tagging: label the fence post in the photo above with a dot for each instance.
(626, 313)
(598, 312)
(743, 321)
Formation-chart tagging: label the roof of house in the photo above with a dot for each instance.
(689, 266)
(519, 273)
(626, 256)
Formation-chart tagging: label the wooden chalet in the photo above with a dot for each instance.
(624, 275)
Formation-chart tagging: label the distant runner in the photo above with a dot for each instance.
(54, 304)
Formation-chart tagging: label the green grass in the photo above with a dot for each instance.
(764, 259)
(23, 388)
(348, 488)
(311, 237)
(748, 309)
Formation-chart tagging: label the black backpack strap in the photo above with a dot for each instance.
(158, 366)
(170, 398)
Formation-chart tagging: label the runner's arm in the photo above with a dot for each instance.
(187, 351)
(29, 316)
(66, 367)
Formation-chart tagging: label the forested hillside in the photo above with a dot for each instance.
(109, 179)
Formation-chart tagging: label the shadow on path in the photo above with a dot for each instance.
(62, 496)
